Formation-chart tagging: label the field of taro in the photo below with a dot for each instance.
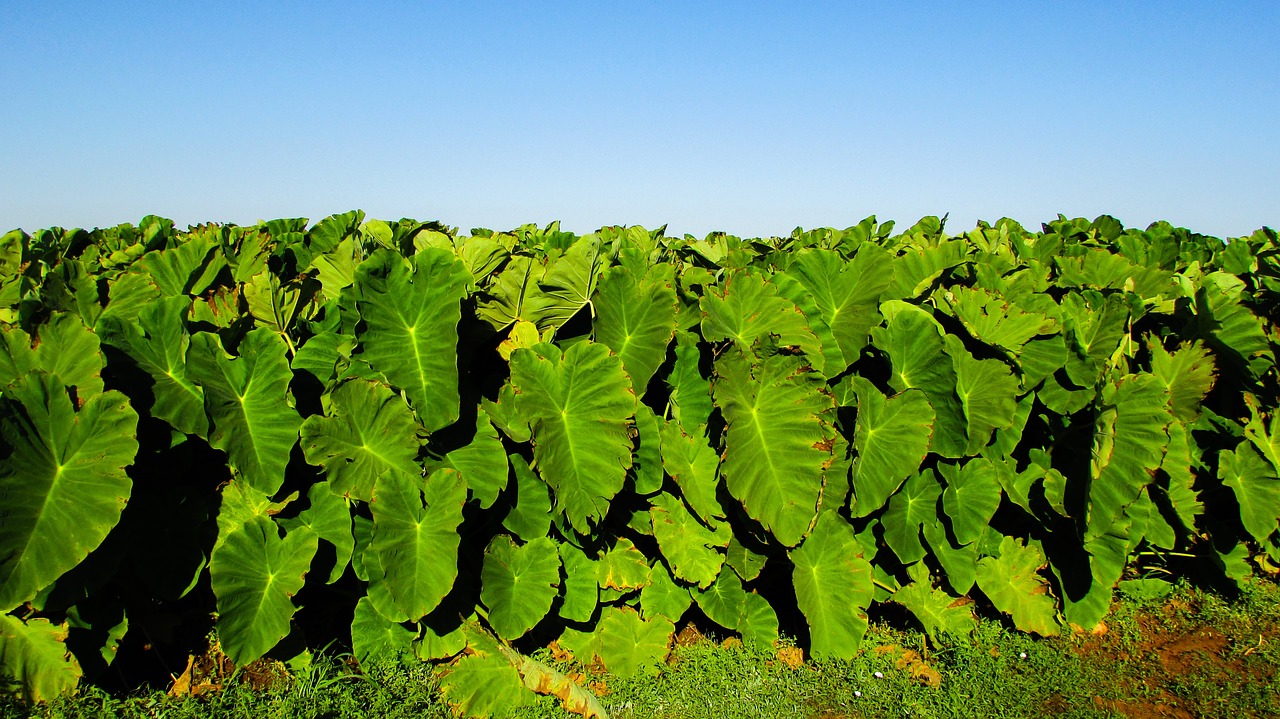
(394, 439)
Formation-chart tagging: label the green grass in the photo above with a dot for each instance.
(1191, 654)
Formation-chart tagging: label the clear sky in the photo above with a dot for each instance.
(751, 118)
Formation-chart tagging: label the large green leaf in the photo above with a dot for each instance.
(62, 479)
(725, 601)
(247, 401)
(689, 547)
(662, 597)
(255, 574)
(329, 516)
(971, 497)
(415, 536)
(891, 437)
(938, 612)
(628, 645)
(833, 587)
(914, 343)
(567, 285)
(749, 309)
(530, 518)
(580, 590)
(988, 393)
(776, 440)
(1186, 373)
(34, 655)
(694, 466)
(846, 294)
(482, 462)
(519, 583)
(1129, 444)
(375, 638)
(368, 431)
(409, 331)
(1256, 487)
(1012, 583)
(623, 567)
(690, 391)
(157, 341)
(63, 347)
(636, 318)
(578, 405)
(998, 322)
(914, 505)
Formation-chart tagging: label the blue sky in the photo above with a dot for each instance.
(751, 118)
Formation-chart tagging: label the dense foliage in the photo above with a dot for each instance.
(460, 448)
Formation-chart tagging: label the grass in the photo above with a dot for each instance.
(1190, 654)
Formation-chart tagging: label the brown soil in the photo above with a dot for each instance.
(1167, 649)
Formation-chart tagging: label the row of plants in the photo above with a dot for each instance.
(460, 448)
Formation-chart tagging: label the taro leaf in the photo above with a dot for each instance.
(1129, 444)
(628, 645)
(1186, 373)
(662, 597)
(271, 304)
(1104, 557)
(725, 601)
(415, 536)
(336, 270)
(971, 497)
(918, 267)
(246, 399)
(959, 564)
(434, 645)
(997, 322)
(1011, 582)
(623, 567)
(776, 441)
(690, 391)
(322, 353)
(523, 335)
(410, 327)
(187, 269)
(690, 548)
(914, 505)
(988, 393)
(693, 465)
(1041, 358)
(646, 469)
(62, 479)
(914, 343)
(1181, 493)
(157, 341)
(568, 284)
(891, 438)
(1094, 326)
(484, 685)
(545, 680)
(636, 319)
(128, 295)
(577, 406)
(580, 592)
(1228, 325)
(846, 294)
(329, 516)
(506, 416)
(750, 309)
(240, 503)
(759, 625)
(938, 612)
(519, 584)
(745, 562)
(833, 587)
(254, 574)
(368, 431)
(64, 347)
(530, 518)
(482, 462)
(375, 638)
(34, 656)
(1256, 487)
(508, 293)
